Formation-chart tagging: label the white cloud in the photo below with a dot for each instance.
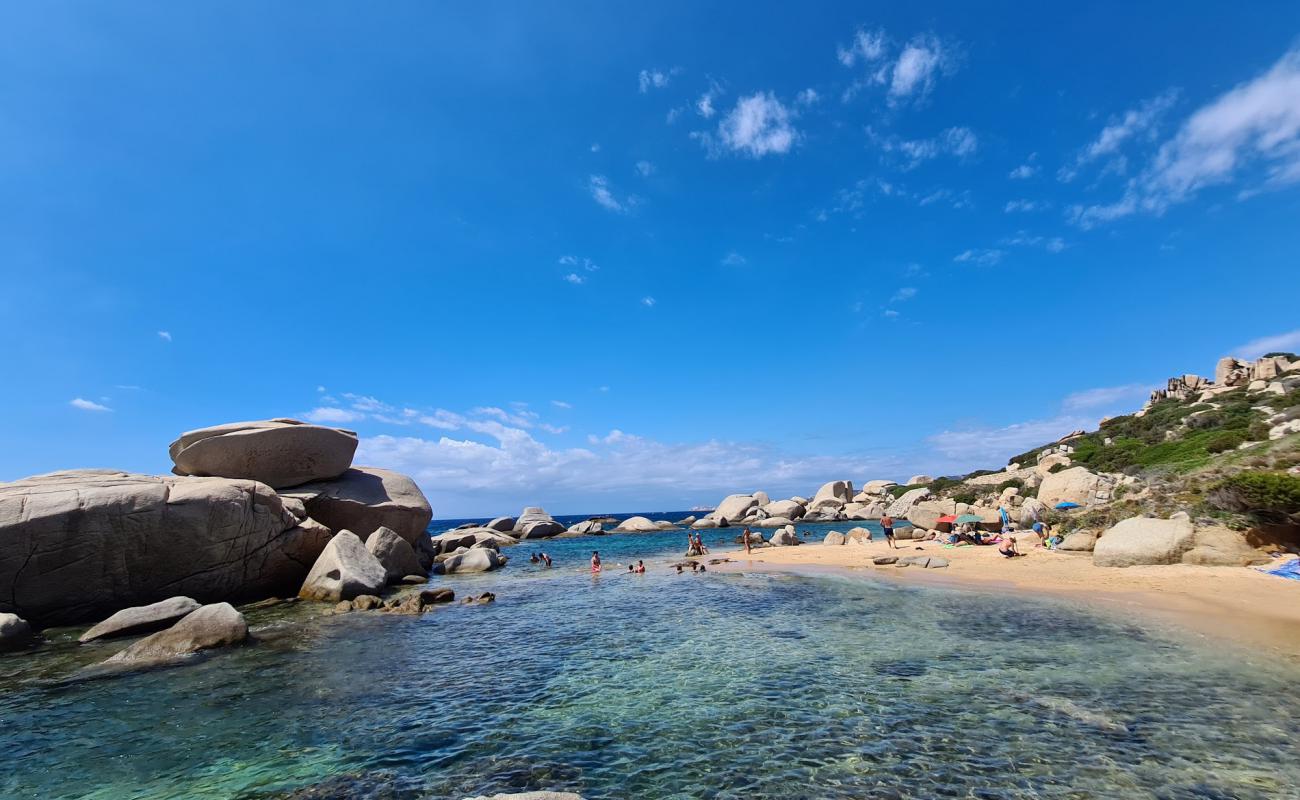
(598, 185)
(959, 142)
(1014, 206)
(889, 313)
(575, 279)
(1052, 244)
(648, 302)
(573, 261)
(987, 445)
(734, 259)
(757, 126)
(595, 147)
(320, 388)
(867, 47)
(984, 258)
(1281, 343)
(166, 336)
(1251, 131)
(645, 168)
(561, 404)
(1023, 171)
(334, 416)
(652, 78)
(808, 97)
(905, 293)
(87, 405)
(917, 66)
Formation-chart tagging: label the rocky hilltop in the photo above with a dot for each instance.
(1207, 472)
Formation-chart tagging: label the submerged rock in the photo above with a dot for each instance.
(142, 619)
(277, 452)
(212, 626)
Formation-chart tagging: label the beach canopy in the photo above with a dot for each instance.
(1066, 506)
(947, 518)
(964, 518)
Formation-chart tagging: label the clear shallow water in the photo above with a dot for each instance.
(658, 686)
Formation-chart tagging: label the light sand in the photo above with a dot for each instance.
(1237, 603)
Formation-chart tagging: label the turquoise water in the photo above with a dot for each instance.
(668, 686)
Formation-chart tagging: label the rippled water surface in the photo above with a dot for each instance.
(666, 685)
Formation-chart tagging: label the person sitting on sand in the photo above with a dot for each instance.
(744, 538)
(887, 525)
(640, 567)
(595, 562)
(1008, 548)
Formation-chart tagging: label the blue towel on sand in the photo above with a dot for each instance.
(1289, 570)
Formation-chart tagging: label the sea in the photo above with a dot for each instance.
(666, 685)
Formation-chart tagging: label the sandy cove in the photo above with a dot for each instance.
(1238, 603)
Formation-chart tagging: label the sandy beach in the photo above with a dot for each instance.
(1239, 603)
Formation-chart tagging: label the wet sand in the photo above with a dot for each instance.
(1240, 604)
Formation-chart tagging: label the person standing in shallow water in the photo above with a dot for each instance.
(887, 525)
(595, 562)
(745, 538)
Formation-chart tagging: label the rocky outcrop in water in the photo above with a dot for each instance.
(81, 544)
(535, 523)
(364, 499)
(142, 619)
(15, 633)
(344, 570)
(212, 626)
(394, 553)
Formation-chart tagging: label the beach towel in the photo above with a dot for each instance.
(1290, 570)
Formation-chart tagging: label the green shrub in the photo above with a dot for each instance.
(1222, 441)
(968, 497)
(1014, 483)
(1267, 495)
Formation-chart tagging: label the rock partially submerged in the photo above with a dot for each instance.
(344, 570)
(212, 626)
(15, 633)
(478, 559)
(142, 619)
(277, 452)
(535, 523)
(637, 525)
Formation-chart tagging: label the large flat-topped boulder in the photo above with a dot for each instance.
(82, 544)
(364, 499)
(535, 523)
(277, 452)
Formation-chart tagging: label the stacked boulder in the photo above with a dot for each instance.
(248, 511)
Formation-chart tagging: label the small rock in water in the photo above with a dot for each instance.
(342, 606)
(15, 633)
(440, 595)
(366, 602)
(142, 619)
(211, 626)
(414, 579)
(481, 600)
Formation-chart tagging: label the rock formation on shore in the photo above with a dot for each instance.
(83, 544)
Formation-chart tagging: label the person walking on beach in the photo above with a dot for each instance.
(744, 537)
(887, 525)
(595, 562)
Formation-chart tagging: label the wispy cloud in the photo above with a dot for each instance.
(984, 258)
(648, 302)
(734, 259)
(573, 261)
(333, 416)
(808, 97)
(1139, 122)
(653, 79)
(1016, 206)
(867, 47)
(575, 279)
(645, 169)
(598, 186)
(561, 404)
(1024, 171)
(959, 142)
(905, 293)
(87, 405)
(1052, 244)
(1250, 132)
(1288, 342)
(1130, 394)
(166, 336)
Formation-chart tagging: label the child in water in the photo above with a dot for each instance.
(595, 562)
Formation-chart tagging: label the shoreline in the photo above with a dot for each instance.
(1237, 604)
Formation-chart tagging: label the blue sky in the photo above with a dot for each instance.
(632, 258)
